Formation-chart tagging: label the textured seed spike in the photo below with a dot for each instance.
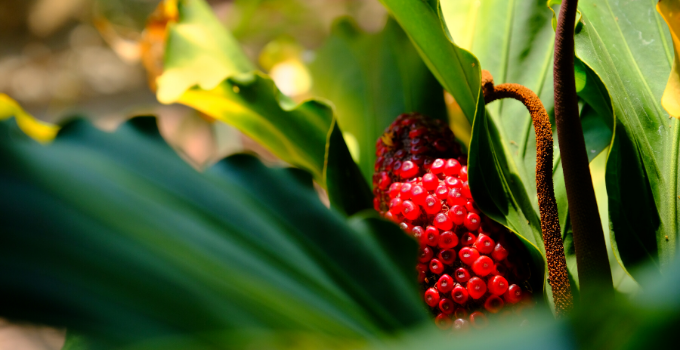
(464, 264)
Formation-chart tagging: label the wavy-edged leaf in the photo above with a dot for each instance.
(371, 79)
(37, 129)
(115, 236)
(670, 10)
(206, 70)
(629, 48)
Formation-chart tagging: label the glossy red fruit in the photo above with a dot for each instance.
(436, 266)
(447, 240)
(405, 191)
(432, 205)
(463, 174)
(443, 321)
(422, 271)
(468, 255)
(395, 206)
(431, 297)
(430, 182)
(499, 252)
(513, 294)
(395, 189)
(431, 236)
(446, 306)
(445, 284)
(437, 166)
(441, 192)
(484, 244)
(476, 287)
(405, 226)
(459, 294)
(493, 304)
(468, 239)
(497, 285)
(472, 222)
(457, 214)
(447, 256)
(471, 207)
(442, 222)
(418, 232)
(482, 266)
(385, 181)
(461, 275)
(455, 197)
(453, 182)
(418, 194)
(466, 190)
(410, 210)
(478, 320)
(409, 169)
(452, 167)
(425, 255)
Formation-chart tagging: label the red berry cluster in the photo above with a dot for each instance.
(465, 265)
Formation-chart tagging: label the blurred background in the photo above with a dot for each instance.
(85, 58)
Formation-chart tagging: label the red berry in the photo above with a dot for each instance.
(437, 166)
(466, 190)
(418, 232)
(463, 175)
(455, 197)
(443, 321)
(410, 210)
(459, 294)
(392, 217)
(482, 266)
(395, 206)
(418, 194)
(436, 266)
(468, 239)
(395, 188)
(452, 167)
(453, 182)
(462, 275)
(422, 271)
(460, 313)
(431, 297)
(430, 182)
(493, 304)
(405, 226)
(376, 204)
(472, 222)
(497, 285)
(468, 255)
(425, 254)
(446, 305)
(396, 167)
(476, 287)
(513, 294)
(478, 320)
(416, 132)
(409, 170)
(432, 205)
(441, 192)
(442, 222)
(447, 239)
(460, 325)
(484, 244)
(385, 181)
(431, 236)
(457, 213)
(471, 207)
(447, 256)
(445, 284)
(499, 253)
(405, 191)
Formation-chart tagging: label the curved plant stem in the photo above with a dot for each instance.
(591, 253)
(550, 224)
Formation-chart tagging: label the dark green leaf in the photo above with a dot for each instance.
(115, 236)
(371, 79)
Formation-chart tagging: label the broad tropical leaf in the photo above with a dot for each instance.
(629, 48)
(371, 79)
(670, 10)
(113, 235)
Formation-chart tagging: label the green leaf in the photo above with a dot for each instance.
(456, 69)
(116, 237)
(371, 79)
(206, 70)
(629, 48)
(670, 10)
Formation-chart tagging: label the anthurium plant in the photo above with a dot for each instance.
(497, 173)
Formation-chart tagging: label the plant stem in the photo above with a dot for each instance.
(550, 222)
(591, 253)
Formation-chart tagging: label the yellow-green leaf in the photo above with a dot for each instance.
(670, 11)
